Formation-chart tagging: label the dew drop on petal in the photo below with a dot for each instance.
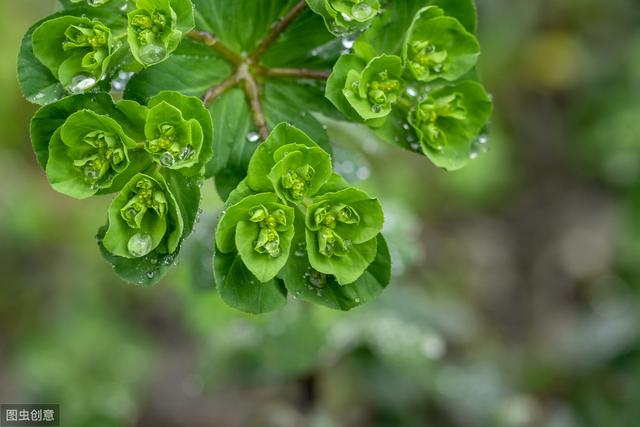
(167, 159)
(140, 244)
(81, 83)
(152, 53)
(362, 11)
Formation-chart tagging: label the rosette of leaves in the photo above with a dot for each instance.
(144, 217)
(253, 65)
(439, 47)
(156, 28)
(77, 50)
(295, 225)
(346, 16)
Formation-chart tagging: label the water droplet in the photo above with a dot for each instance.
(411, 91)
(362, 11)
(140, 244)
(406, 126)
(151, 274)
(186, 153)
(167, 159)
(153, 261)
(376, 108)
(346, 17)
(81, 83)
(357, 300)
(348, 93)
(167, 260)
(347, 43)
(301, 249)
(415, 146)
(152, 53)
(253, 136)
(483, 139)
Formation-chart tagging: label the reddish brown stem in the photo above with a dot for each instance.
(296, 73)
(213, 42)
(252, 91)
(278, 29)
(218, 90)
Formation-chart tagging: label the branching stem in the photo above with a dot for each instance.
(245, 65)
(214, 43)
(295, 73)
(252, 91)
(278, 29)
(218, 90)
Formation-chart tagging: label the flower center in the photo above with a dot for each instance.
(296, 181)
(383, 91)
(426, 59)
(270, 224)
(107, 157)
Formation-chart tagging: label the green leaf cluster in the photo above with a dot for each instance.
(132, 89)
(294, 225)
(152, 155)
(416, 74)
(83, 47)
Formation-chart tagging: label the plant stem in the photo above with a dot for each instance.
(295, 73)
(278, 29)
(252, 91)
(213, 42)
(218, 90)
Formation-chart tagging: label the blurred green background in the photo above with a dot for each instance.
(516, 292)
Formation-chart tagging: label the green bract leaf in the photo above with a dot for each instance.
(76, 50)
(439, 47)
(192, 156)
(299, 172)
(175, 132)
(447, 121)
(143, 218)
(242, 290)
(345, 16)
(263, 159)
(260, 229)
(156, 28)
(341, 228)
(304, 282)
(372, 92)
(45, 125)
(87, 153)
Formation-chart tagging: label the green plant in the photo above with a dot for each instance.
(131, 94)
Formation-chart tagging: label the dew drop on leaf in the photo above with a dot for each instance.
(253, 136)
(167, 159)
(362, 11)
(81, 83)
(152, 53)
(140, 244)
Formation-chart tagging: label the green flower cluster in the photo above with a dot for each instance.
(424, 83)
(100, 147)
(83, 46)
(154, 29)
(76, 50)
(291, 194)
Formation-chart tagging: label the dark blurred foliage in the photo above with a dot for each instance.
(515, 299)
